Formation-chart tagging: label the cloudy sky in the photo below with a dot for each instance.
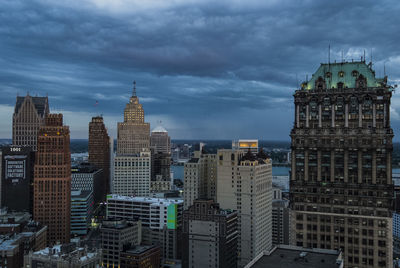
(205, 69)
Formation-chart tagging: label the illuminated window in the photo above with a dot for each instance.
(341, 74)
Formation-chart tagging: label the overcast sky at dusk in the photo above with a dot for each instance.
(206, 69)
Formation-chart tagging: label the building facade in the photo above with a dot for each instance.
(161, 220)
(17, 178)
(140, 257)
(133, 133)
(116, 235)
(209, 236)
(160, 141)
(245, 185)
(52, 179)
(99, 151)
(132, 174)
(82, 206)
(29, 115)
(341, 183)
(200, 178)
(87, 177)
(63, 256)
(280, 219)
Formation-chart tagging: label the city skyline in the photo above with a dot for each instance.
(240, 62)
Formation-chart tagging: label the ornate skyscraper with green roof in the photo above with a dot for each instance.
(341, 178)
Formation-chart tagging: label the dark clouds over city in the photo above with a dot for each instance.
(206, 69)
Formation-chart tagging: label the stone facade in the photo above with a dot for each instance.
(341, 183)
(29, 115)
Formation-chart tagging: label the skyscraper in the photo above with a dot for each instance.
(29, 115)
(99, 150)
(341, 185)
(160, 140)
(200, 178)
(244, 184)
(133, 133)
(52, 179)
(132, 174)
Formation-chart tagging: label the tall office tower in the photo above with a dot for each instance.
(29, 115)
(161, 220)
(209, 236)
(132, 174)
(17, 178)
(52, 179)
(116, 235)
(245, 185)
(160, 141)
(133, 133)
(280, 219)
(341, 186)
(200, 178)
(99, 151)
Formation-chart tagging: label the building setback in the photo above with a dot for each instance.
(17, 178)
(341, 189)
(99, 151)
(245, 185)
(52, 179)
(133, 133)
(29, 115)
(209, 236)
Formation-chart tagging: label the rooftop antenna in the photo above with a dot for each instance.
(134, 89)
(371, 56)
(342, 55)
(364, 55)
(329, 55)
(306, 77)
(384, 69)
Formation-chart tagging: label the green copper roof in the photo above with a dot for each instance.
(345, 72)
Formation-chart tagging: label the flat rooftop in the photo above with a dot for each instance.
(139, 249)
(141, 199)
(297, 257)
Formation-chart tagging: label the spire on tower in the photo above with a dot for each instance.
(134, 89)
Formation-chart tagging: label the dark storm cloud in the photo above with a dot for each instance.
(192, 59)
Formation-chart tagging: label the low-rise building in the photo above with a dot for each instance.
(284, 256)
(63, 256)
(118, 234)
(140, 257)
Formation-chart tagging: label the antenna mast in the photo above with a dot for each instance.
(134, 89)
